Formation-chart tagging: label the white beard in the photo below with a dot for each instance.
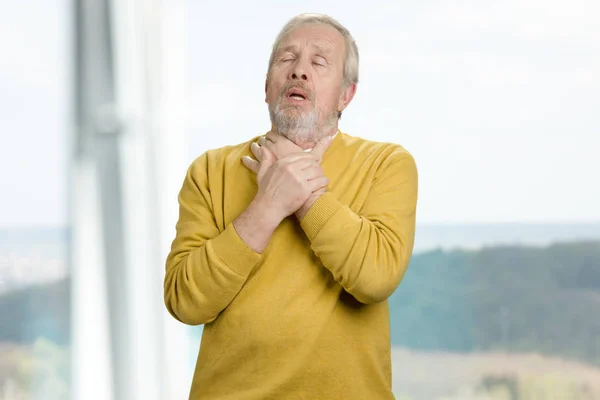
(299, 127)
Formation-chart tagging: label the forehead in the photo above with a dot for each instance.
(320, 36)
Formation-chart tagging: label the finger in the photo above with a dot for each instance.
(318, 183)
(273, 137)
(256, 151)
(251, 163)
(262, 141)
(295, 157)
(321, 146)
(297, 165)
(312, 172)
(267, 158)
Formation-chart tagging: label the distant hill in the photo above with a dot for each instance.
(513, 298)
(37, 311)
(502, 298)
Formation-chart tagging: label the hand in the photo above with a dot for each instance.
(282, 147)
(284, 185)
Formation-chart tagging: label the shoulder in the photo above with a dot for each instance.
(376, 153)
(218, 159)
(390, 163)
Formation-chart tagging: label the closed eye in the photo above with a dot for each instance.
(318, 60)
(287, 56)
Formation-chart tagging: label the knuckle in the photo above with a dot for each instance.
(288, 168)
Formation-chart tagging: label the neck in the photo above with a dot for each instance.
(307, 140)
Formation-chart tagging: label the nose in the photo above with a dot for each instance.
(299, 76)
(298, 72)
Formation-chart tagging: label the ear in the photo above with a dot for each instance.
(266, 88)
(346, 96)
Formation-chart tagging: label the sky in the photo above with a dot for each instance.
(497, 101)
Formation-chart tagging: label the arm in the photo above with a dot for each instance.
(368, 253)
(206, 268)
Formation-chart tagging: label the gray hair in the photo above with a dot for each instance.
(351, 61)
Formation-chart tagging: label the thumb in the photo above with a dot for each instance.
(321, 146)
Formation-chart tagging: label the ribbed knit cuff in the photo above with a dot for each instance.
(234, 252)
(319, 214)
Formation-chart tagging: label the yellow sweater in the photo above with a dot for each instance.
(308, 318)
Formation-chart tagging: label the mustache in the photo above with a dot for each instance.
(297, 85)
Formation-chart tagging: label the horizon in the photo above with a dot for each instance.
(428, 236)
(419, 224)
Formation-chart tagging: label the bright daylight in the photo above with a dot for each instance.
(443, 245)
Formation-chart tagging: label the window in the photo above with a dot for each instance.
(35, 320)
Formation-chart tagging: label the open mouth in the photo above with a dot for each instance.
(297, 94)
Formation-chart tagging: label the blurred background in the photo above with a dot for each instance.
(104, 105)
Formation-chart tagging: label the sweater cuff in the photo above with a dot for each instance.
(319, 214)
(234, 252)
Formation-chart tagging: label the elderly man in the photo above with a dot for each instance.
(289, 245)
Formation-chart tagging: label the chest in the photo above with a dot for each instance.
(234, 187)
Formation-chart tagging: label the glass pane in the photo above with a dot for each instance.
(34, 229)
(498, 104)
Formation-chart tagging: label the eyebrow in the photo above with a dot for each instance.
(323, 51)
(320, 50)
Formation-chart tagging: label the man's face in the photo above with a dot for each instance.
(305, 84)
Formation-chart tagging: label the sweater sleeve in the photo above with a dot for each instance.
(205, 268)
(368, 252)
